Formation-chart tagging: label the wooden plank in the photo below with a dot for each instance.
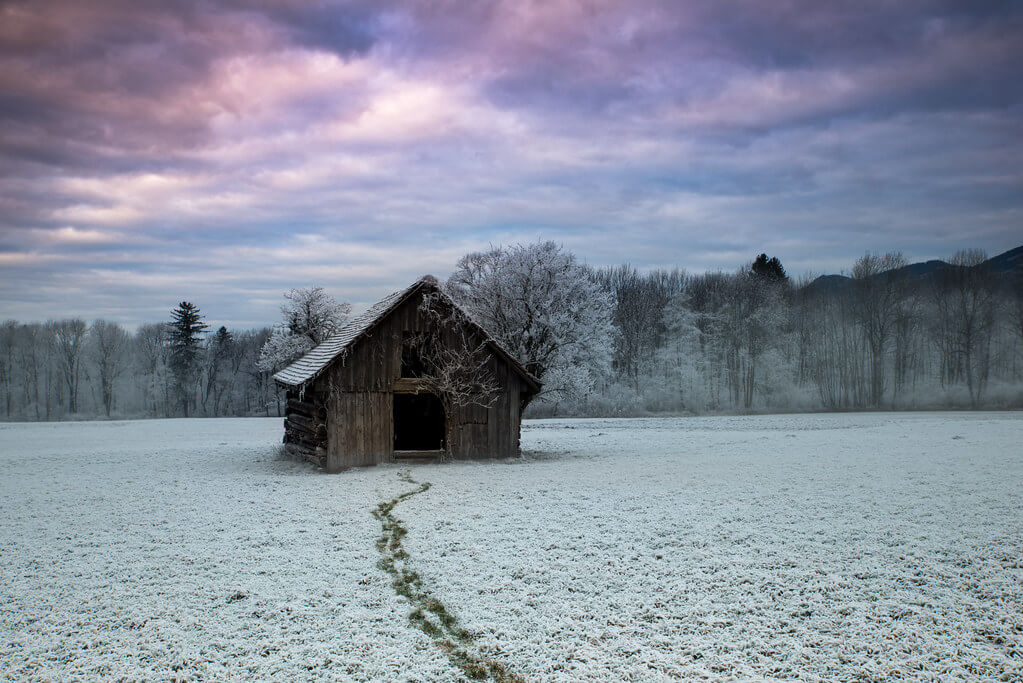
(302, 434)
(367, 429)
(348, 432)
(478, 438)
(380, 450)
(377, 425)
(387, 425)
(515, 423)
(409, 385)
(365, 437)
(359, 426)
(371, 427)
(412, 455)
(335, 445)
(379, 379)
(356, 428)
(492, 425)
(372, 420)
(344, 426)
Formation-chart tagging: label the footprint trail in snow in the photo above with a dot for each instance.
(429, 615)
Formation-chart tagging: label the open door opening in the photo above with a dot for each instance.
(418, 423)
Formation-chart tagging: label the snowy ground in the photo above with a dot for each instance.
(840, 547)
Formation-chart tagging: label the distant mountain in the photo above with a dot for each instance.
(1008, 265)
(1011, 260)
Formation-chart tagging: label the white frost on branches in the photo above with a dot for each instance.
(310, 316)
(545, 307)
(281, 348)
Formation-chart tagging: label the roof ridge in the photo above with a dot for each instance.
(315, 361)
(312, 363)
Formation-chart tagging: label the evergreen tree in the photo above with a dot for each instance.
(185, 330)
(222, 342)
(769, 269)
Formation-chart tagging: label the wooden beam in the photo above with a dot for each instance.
(410, 385)
(413, 455)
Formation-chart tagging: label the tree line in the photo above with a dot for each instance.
(604, 341)
(67, 369)
(888, 336)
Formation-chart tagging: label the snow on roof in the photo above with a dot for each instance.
(313, 363)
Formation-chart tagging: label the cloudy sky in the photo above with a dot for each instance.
(223, 151)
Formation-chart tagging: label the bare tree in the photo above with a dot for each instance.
(456, 357)
(753, 322)
(151, 355)
(696, 319)
(966, 300)
(219, 350)
(638, 315)
(8, 332)
(1014, 302)
(109, 347)
(31, 341)
(905, 351)
(877, 298)
(70, 339)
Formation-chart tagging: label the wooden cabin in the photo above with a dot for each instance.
(365, 395)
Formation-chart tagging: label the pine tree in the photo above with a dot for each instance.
(769, 269)
(185, 330)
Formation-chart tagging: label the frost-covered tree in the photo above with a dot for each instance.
(311, 315)
(638, 321)
(314, 313)
(151, 368)
(545, 307)
(108, 343)
(8, 339)
(219, 351)
(32, 340)
(966, 302)
(69, 337)
(879, 291)
(753, 320)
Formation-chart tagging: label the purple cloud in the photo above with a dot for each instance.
(228, 150)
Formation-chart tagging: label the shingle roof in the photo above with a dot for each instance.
(313, 363)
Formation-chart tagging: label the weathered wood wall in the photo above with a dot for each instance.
(359, 398)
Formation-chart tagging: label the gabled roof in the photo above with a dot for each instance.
(318, 359)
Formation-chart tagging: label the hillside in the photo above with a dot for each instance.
(1007, 265)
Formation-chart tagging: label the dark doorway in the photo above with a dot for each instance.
(418, 422)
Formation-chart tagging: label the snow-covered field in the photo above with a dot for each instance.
(840, 547)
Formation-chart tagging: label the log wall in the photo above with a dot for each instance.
(305, 426)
